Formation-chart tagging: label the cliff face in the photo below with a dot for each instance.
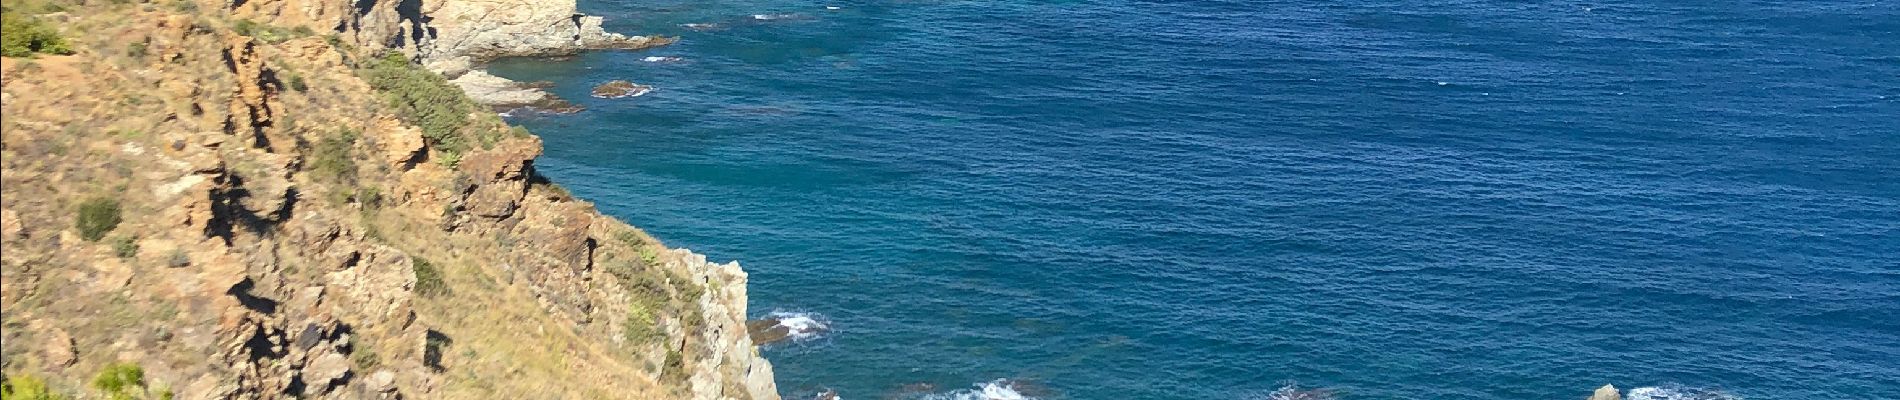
(292, 216)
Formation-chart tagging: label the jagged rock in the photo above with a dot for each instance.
(619, 89)
(60, 349)
(401, 143)
(250, 108)
(767, 331)
(10, 226)
(381, 382)
(273, 274)
(327, 368)
(1607, 392)
(501, 176)
(485, 31)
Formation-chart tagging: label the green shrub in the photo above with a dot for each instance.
(649, 256)
(643, 323)
(429, 281)
(97, 217)
(125, 246)
(423, 99)
(22, 35)
(137, 49)
(296, 83)
(334, 157)
(364, 357)
(27, 388)
(267, 33)
(675, 365)
(116, 379)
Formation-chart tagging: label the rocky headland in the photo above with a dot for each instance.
(286, 199)
(464, 34)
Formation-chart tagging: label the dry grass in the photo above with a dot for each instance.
(505, 344)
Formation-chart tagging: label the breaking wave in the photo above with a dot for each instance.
(802, 326)
(1000, 389)
(1677, 392)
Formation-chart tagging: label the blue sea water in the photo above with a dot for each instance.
(1113, 199)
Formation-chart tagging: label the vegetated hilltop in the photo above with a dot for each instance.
(272, 199)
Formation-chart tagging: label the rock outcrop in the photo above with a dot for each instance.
(1607, 392)
(483, 30)
(619, 89)
(284, 230)
(504, 94)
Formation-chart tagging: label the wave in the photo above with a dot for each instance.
(1295, 392)
(661, 59)
(1000, 389)
(802, 326)
(1676, 392)
(770, 17)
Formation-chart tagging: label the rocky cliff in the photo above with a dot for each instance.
(274, 199)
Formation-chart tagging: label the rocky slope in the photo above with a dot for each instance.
(293, 215)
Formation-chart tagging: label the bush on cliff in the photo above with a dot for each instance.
(424, 99)
(334, 157)
(97, 217)
(429, 281)
(119, 381)
(267, 33)
(27, 388)
(22, 35)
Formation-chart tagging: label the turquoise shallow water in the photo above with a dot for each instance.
(1203, 199)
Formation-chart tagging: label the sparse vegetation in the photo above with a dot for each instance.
(643, 324)
(295, 82)
(118, 381)
(334, 157)
(24, 387)
(369, 197)
(178, 258)
(97, 217)
(424, 99)
(675, 365)
(429, 281)
(23, 35)
(137, 49)
(268, 33)
(125, 246)
(363, 357)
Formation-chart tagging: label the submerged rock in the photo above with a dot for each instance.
(618, 89)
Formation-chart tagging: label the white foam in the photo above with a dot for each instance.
(833, 7)
(1676, 393)
(802, 325)
(1000, 389)
(655, 59)
(1295, 392)
(700, 26)
(769, 17)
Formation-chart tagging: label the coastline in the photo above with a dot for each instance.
(301, 217)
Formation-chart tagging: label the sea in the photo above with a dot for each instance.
(1223, 199)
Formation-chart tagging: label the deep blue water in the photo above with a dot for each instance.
(1108, 199)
